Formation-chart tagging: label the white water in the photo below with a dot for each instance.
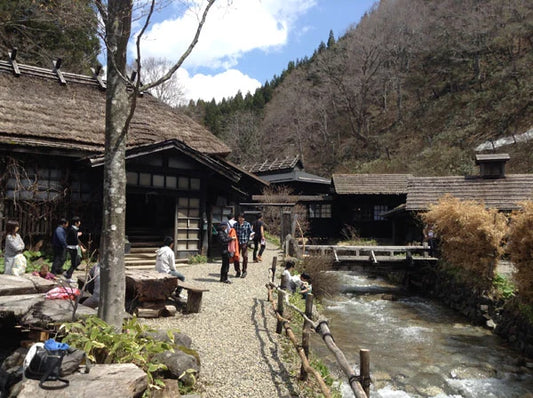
(420, 348)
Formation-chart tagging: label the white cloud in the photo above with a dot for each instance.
(232, 29)
(219, 86)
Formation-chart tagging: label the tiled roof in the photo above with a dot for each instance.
(501, 193)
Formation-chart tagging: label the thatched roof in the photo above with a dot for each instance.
(500, 193)
(36, 110)
(370, 184)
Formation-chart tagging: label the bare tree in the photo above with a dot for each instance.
(170, 92)
(120, 107)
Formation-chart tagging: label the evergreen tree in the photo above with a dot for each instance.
(43, 30)
(331, 39)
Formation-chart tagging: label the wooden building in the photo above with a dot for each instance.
(306, 189)
(492, 187)
(361, 200)
(51, 154)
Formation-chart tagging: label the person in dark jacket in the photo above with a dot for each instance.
(223, 240)
(73, 246)
(59, 245)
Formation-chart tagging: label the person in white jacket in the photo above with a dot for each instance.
(166, 262)
(14, 246)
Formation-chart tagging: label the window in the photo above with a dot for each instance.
(378, 212)
(319, 210)
(163, 181)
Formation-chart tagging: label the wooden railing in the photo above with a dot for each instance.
(360, 385)
(374, 254)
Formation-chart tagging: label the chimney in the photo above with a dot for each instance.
(492, 165)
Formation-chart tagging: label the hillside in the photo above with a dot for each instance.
(414, 87)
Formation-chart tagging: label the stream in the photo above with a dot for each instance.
(418, 347)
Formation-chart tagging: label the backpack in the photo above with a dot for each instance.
(44, 365)
(50, 360)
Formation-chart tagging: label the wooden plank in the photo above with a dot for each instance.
(373, 257)
(190, 287)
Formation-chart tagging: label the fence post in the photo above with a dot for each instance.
(305, 332)
(364, 370)
(426, 249)
(274, 264)
(279, 324)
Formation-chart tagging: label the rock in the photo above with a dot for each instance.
(46, 312)
(15, 359)
(171, 390)
(179, 338)
(11, 285)
(178, 364)
(110, 381)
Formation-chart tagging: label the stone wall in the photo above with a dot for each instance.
(503, 317)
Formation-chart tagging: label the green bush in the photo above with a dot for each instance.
(103, 344)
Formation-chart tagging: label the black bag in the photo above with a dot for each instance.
(45, 366)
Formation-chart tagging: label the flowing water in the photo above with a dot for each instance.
(420, 348)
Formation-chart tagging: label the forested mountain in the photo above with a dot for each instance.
(414, 87)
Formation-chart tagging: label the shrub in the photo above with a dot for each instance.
(324, 283)
(470, 237)
(103, 344)
(520, 248)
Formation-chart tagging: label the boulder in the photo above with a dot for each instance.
(11, 285)
(179, 338)
(48, 312)
(110, 381)
(179, 364)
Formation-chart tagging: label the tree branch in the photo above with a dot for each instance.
(184, 56)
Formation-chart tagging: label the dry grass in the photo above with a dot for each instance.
(520, 248)
(470, 237)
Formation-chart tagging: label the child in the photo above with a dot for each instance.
(305, 285)
(44, 273)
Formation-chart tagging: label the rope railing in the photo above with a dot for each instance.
(360, 385)
(305, 362)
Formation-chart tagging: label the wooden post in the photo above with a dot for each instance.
(279, 324)
(305, 332)
(426, 249)
(364, 370)
(274, 265)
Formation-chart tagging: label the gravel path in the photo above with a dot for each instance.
(234, 333)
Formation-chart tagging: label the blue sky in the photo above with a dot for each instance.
(245, 42)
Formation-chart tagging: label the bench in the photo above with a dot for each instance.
(194, 296)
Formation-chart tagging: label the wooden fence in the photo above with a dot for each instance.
(360, 385)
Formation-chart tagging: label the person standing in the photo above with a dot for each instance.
(243, 230)
(14, 245)
(59, 245)
(224, 239)
(73, 246)
(165, 261)
(259, 238)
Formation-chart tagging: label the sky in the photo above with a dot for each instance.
(244, 43)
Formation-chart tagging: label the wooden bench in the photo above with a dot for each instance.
(194, 296)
